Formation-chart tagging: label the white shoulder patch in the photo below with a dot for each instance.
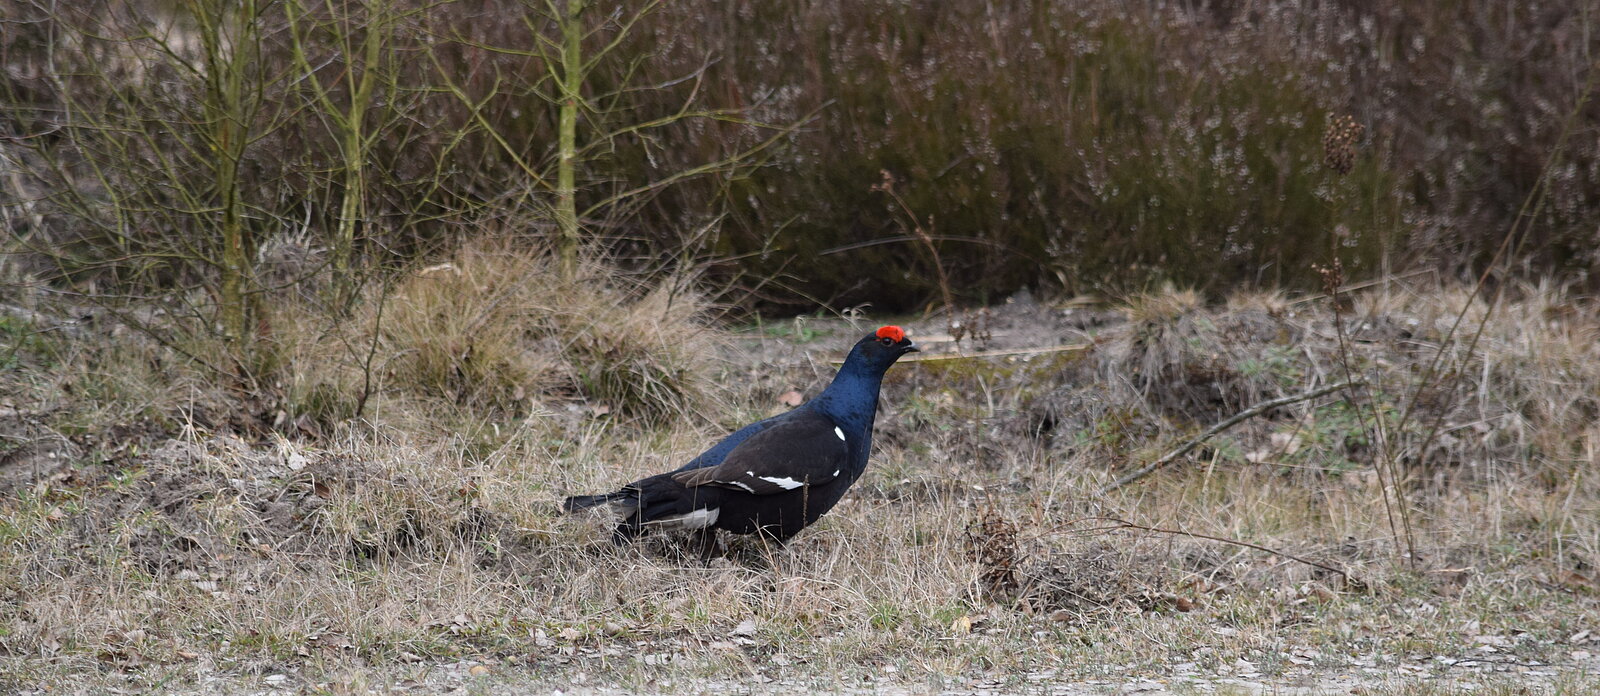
(785, 482)
(840, 433)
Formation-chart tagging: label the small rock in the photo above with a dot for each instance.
(746, 627)
(1316, 592)
(1287, 443)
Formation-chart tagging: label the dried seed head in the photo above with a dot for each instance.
(1332, 276)
(1339, 143)
(992, 542)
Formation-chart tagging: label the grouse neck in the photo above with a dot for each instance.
(852, 398)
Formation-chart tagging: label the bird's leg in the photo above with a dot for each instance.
(770, 542)
(706, 539)
(624, 533)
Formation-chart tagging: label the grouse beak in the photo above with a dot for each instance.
(910, 347)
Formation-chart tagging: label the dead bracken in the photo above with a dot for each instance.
(992, 543)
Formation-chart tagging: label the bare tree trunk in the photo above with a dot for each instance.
(571, 86)
(365, 72)
(352, 212)
(229, 33)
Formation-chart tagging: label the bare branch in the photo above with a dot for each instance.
(1119, 523)
(1212, 431)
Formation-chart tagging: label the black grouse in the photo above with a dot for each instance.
(772, 477)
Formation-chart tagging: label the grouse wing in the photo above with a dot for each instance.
(805, 450)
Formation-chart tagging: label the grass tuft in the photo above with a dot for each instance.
(497, 331)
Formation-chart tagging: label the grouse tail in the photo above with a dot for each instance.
(584, 502)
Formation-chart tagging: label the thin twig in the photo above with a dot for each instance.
(1529, 208)
(1236, 419)
(1529, 211)
(912, 238)
(1344, 576)
(372, 351)
(1366, 284)
(1332, 278)
(988, 353)
(920, 233)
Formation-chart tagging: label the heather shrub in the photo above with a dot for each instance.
(1078, 147)
(1094, 146)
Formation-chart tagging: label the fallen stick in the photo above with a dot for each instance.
(989, 353)
(1367, 284)
(1349, 583)
(1236, 419)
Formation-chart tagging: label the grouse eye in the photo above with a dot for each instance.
(886, 341)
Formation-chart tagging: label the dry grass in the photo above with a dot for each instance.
(496, 330)
(427, 534)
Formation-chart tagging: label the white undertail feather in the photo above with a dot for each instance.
(840, 433)
(699, 519)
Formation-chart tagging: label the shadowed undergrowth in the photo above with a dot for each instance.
(1077, 147)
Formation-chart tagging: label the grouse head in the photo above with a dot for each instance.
(878, 350)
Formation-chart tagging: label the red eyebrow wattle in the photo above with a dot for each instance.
(893, 333)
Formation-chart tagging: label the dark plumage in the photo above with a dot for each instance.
(774, 476)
